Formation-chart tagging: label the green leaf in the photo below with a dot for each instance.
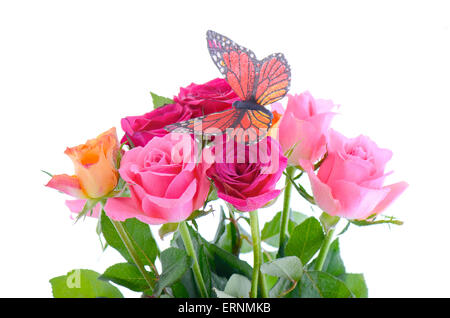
(315, 284)
(179, 290)
(306, 239)
(127, 275)
(212, 195)
(333, 263)
(220, 227)
(159, 101)
(237, 286)
(284, 288)
(139, 232)
(83, 283)
(227, 264)
(289, 267)
(166, 229)
(356, 283)
(230, 240)
(205, 268)
(271, 230)
(175, 262)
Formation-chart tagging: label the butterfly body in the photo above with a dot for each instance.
(257, 83)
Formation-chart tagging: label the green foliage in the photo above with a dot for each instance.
(333, 263)
(139, 232)
(167, 229)
(356, 284)
(289, 267)
(159, 101)
(306, 239)
(238, 286)
(83, 283)
(315, 284)
(127, 275)
(175, 262)
(271, 230)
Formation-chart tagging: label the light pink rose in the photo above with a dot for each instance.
(166, 182)
(349, 183)
(304, 127)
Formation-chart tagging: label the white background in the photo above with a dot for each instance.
(70, 70)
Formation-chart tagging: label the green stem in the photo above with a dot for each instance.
(286, 210)
(257, 257)
(324, 250)
(132, 251)
(184, 231)
(263, 284)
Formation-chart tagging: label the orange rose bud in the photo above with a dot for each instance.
(95, 168)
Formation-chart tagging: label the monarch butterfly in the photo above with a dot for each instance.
(257, 83)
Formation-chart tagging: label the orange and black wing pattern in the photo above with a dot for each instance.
(273, 79)
(252, 126)
(209, 125)
(265, 81)
(257, 83)
(235, 62)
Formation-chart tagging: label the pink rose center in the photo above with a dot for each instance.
(358, 151)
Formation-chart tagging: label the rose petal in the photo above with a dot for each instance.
(356, 202)
(120, 209)
(323, 196)
(394, 192)
(250, 203)
(67, 184)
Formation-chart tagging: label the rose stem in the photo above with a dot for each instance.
(256, 239)
(184, 231)
(132, 251)
(324, 249)
(286, 210)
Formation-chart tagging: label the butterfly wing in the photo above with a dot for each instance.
(246, 125)
(265, 81)
(252, 126)
(209, 125)
(273, 79)
(235, 62)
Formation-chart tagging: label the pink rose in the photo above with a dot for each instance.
(192, 101)
(211, 97)
(349, 182)
(165, 182)
(245, 176)
(303, 128)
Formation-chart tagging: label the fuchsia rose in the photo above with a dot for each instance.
(192, 101)
(142, 129)
(211, 97)
(165, 181)
(246, 175)
(350, 180)
(304, 127)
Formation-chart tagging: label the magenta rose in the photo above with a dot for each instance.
(192, 101)
(211, 97)
(166, 182)
(245, 176)
(349, 183)
(303, 129)
(142, 129)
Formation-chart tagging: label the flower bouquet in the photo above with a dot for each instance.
(217, 149)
